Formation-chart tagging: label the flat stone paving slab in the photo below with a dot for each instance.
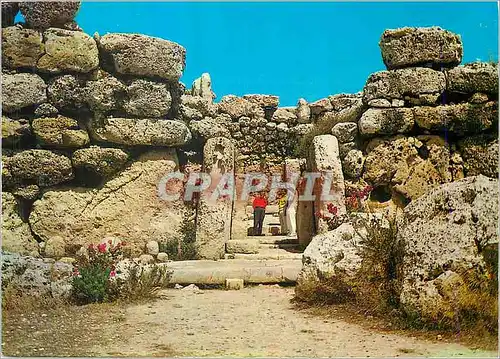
(251, 271)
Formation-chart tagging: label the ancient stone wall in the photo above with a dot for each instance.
(91, 124)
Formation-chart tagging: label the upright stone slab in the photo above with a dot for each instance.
(213, 222)
(325, 159)
(202, 86)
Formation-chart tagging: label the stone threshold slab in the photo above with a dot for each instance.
(251, 271)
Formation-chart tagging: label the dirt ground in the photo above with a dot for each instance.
(256, 321)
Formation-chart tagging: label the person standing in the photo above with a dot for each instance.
(282, 202)
(259, 211)
(291, 215)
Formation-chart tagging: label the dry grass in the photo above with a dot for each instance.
(41, 326)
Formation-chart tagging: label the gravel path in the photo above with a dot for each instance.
(256, 321)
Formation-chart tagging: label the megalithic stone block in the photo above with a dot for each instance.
(213, 221)
(325, 159)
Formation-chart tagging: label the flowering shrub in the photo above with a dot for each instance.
(94, 274)
(354, 202)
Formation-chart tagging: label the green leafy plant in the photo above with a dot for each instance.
(93, 276)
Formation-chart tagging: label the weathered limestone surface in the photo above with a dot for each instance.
(100, 161)
(345, 132)
(202, 87)
(325, 159)
(41, 167)
(445, 234)
(21, 48)
(213, 226)
(81, 216)
(413, 83)
(68, 51)
(410, 46)
(14, 131)
(411, 166)
(145, 132)
(147, 99)
(36, 276)
(237, 107)
(265, 101)
(141, 55)
(386, 121)
(333, 255)
(462, 118)
(41, 15)
(473, 77)
(247, 246)
(480, 155)
(22, 90)
(16, 234)
(60, 131)
(67, 92)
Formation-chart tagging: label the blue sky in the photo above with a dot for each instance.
(293, 50)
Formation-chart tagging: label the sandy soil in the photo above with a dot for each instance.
(256, 321)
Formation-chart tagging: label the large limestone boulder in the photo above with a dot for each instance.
(386, 121)
(445, 234)
(410, 166)
(411, 46)
(285, 115)
(100, 161)
(141, 55)
(345, 132)
(20, 47)
(213, 221)
(264, 101)
(41, 15)
(480, 155)
(41, 167)
(106, 93)
(344, 108)
(352, 164)
(473, 77)
(68, 51)
(14, 131)
(196, 108)
(417, 84)
(67, 92)
(147, 99)
(22, 90)
(331, 255)
(127, 207)
(211, 127)
(16, 234)
(325, 159)
(140, 132)
(237, 107)
(461, 119)
(59, 131)
(36, 276)
(9, 12)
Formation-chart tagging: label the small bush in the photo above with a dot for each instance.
(93, 275)
(144, 282)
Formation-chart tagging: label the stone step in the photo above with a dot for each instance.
(277, 240)
(265, 256)
(280, 245)
(251, 271)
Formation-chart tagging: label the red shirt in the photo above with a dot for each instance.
(259, 202)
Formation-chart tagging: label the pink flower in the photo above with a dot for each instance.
(102, 247)
(112, 273)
